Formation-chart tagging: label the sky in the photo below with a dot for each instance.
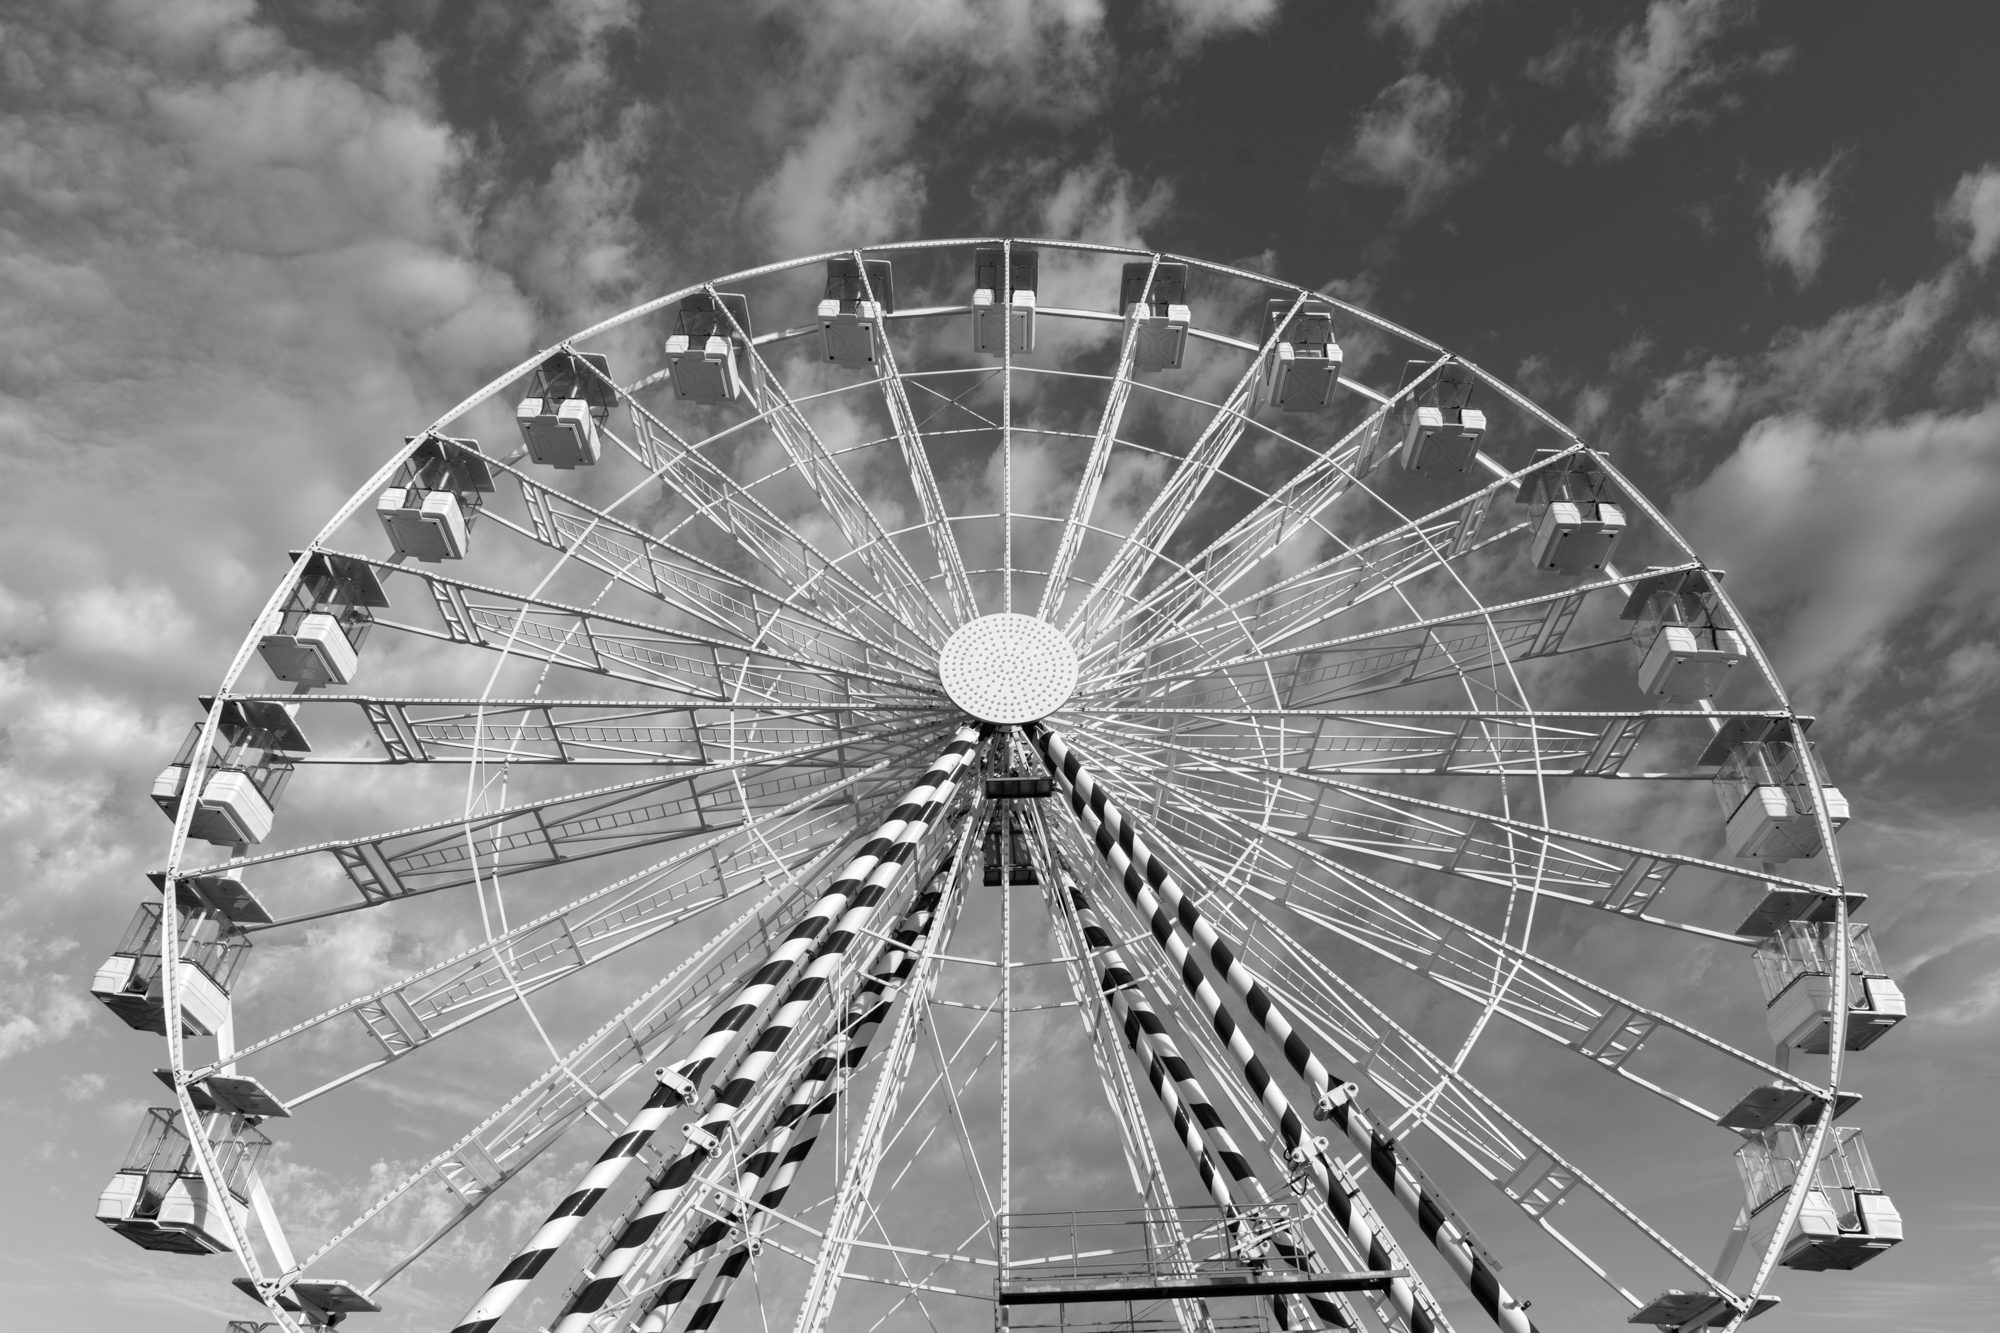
(1752, 251)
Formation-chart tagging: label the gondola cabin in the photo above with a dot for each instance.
(317, 640)
(859, 296)
(248, 767)
(569, 396)
(210, 912)
(1687, 640)
(1575, 513)
(1156, 313)
(1847, 1218)
(1796, 969)
(1764, 784)
(158, 1199)
(1442, 430)
(1004, 286)
(708, 356)
(1303, 368)
(429, 512)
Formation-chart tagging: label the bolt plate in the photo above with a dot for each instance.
(1008, 668)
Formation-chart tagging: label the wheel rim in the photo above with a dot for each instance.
(1323, 685)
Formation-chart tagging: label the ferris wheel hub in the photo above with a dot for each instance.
(1007, 668)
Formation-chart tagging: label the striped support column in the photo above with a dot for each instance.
(878, 867)
(1175, 1084)
(1155, 893)
(710, 1305)
(801, 1147)
(665, 1099)
(865, 1014)
(1349, 1207)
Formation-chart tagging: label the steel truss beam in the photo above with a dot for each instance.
(626, 816)
(698, 667)
(489, 977)
(635, 732)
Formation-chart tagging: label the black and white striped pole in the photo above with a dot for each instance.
(865, 884)
(870, 1005)
(1169, 911)
(733, 1264)
(1179, 1091)
(677, 1085)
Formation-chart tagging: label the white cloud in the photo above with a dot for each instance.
(85, 1087)
(1797, 222)
(1401, 141)
(867, 76)
(1653, 71)
(842, 182)
(1848, 366)
(1419, 20)
(1101, 203)
(1867, 545)
(1193, 22)
(1855, 511)
(41, 1000)
(1974, 210)
(230, 277)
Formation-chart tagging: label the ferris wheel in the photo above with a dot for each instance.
(1001, 783)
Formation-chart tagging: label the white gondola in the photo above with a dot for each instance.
(212, 911)
(1577, 521)
(1764, 786)
(1303, 368)
(1686, 640)
(158, 1199)
(1847, 1219)
(708, 356)
(318, 636)
(1159, 314)
(249, 766)
(1441, 434)
(429, 512)
(1795, 967)
(569, 396)
(858, 298)
(325, 1301)
(994, 290)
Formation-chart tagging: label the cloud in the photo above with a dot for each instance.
(865, 77)
(1974, 211)
(1652, 72)
(1797, 223)
(1850, 366)
(232, 275)
(1419, 20)
(1854, 510)
(1193, 22)
(1401, 141)
(39, 1005)
(1868, 547)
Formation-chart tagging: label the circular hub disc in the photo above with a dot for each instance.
(1008, 668)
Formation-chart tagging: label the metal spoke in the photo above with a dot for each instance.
(1111, 595)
